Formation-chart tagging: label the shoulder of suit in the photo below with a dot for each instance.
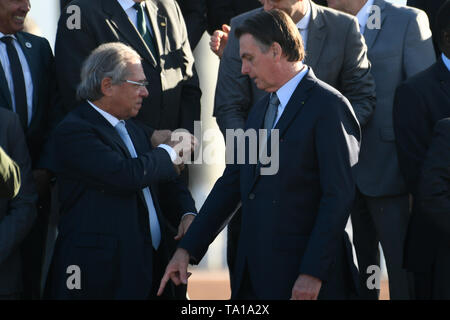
(334, 16)
(34, 38)
(422, 79)
(402, 11)
(443, 124)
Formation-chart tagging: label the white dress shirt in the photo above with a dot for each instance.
(26, 74)
(303, 24)
(285, 92)
(446, 61)
(127, 6)
(363, 15)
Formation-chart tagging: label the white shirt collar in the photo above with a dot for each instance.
(304, 22)
(285, 92)
(446, 61)
(109, 117)
(10, 35)
(363, 15)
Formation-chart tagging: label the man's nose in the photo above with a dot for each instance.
(245, 68)
(144, 92)
(25, 5)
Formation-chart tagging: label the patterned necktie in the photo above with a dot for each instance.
(155, 230)
(20, 93)
(271, 113)
(144, 29)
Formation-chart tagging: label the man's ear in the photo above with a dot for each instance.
(107, 87)
(276, 50)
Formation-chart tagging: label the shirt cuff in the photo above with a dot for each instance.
(170, 151)
(189, 213)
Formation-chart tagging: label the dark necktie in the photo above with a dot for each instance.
(144, 30)
(271, 113)
(20, 93)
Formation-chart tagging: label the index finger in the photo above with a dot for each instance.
(164, 280)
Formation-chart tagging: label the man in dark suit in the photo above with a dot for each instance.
(28, 87)
(156, 30)
(431, 8)
(194, 13)
(382, 210)
(115, 189)
(420, 103)
(17, 215)
(293, 218)
(9, 176)
(335, 50)
(434, 200)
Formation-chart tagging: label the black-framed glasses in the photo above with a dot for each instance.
(138, 83)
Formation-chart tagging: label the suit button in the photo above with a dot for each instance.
(251, 196)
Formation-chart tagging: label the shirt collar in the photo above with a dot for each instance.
(109, 117)
(9, 35)
(304, 22)
(446, 61)
(126, 4)
(285, 92)
(363, 15)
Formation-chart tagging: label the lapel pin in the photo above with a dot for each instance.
(163, 24)
(28, 45)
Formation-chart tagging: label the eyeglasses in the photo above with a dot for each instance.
(138, 83)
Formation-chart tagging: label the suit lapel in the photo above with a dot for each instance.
(159, 26)
(119, 19)
(296, 103)
(370, 35)
(4, 89)
(317, 35)
(33, 65)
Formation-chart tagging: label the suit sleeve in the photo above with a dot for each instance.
(233, 97)
(356, 81)
(194, 13)
(191, 93)
(21, 211)
(411, 126)
(434, 186)
(214, 214)
(82, 154)
(418, 52)
(9, 176)
(336, 149)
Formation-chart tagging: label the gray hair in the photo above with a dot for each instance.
(107, 61)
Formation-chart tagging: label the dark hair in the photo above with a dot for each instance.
(272, 26)
(443, 22)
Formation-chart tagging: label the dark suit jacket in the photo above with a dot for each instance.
(420, 103)
(194, 13)
(16, 215)
(222, 11)
(336, 51)
(431, 8)
(434, 185)
(293, 221)
(174, 94)
(104, 225)
(40, 60)
(9, 176)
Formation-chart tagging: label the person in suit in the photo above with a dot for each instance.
(115, 188)
(431, 9)
(17, 215)
(334, 49)
(28, 87)
(221, 12)
(420, 102)
(9, 176)
(293, 219)
(156, 30)
(433, 198)
(381, 213)
(194, 13)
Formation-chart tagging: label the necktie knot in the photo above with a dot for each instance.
(7, 39)
(137, 6)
